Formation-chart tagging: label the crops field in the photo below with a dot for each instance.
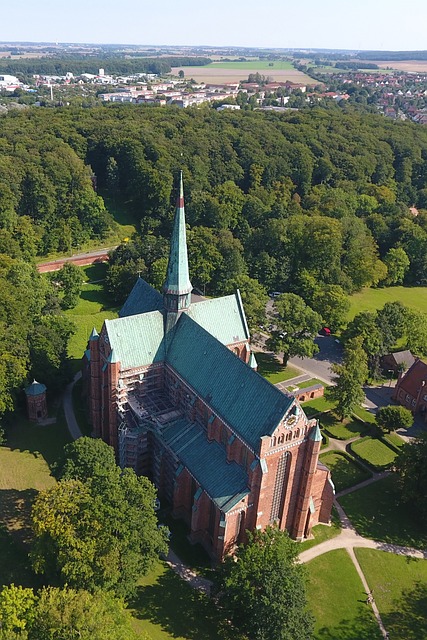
(234, 71)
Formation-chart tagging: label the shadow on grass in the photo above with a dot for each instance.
(345, 472)
(95, 272)
(193, 555)
(376, 512)
(363, 627)
(408, 620)
(177, 608)
(98, 296)
(45, 440)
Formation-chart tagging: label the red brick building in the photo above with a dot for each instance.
(411, 389)
(171, 384)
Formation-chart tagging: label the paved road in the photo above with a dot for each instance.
(67, 401)
(80, 259)
(319, 365)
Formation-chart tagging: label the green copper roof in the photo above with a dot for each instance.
(315, 433)
(137, 340)
(224, 318)
(247, 402)
(225, 482)
(252, 361)
(35, 388)
(177, 277)
(94, 335)
(142, 298)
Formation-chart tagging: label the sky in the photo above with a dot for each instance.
(331, 24)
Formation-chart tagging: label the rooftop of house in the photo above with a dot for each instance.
(414, 378)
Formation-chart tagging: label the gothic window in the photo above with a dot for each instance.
(244, 460)
(279, 488)
(224, 435)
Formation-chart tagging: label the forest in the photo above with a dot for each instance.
(315, 202)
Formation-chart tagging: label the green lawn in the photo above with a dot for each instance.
(309, 383)
(166, 607)
(338, 601)
(365, 415)
(376, 513)
(92, 309)
(24, 470)
(394, 439)
(375, 452)
(399, 586)
(270, 367)
(322, 532)
(345, 473)
(254, 65)
(349, 428)
(319, 405)
(373, 299)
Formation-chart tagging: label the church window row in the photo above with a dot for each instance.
(282, 438)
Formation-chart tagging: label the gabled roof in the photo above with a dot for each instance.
(225, 482)
(142, 299)
(245, 400)
(413, 378)
(177, 278)
(137, 340)
(224, 318)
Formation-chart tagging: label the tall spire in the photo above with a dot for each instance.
(177, 287)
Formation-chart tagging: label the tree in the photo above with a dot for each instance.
(254, 298)
(332, 304)
(349, 378)
(397, 263)
(70, 279)
(411, 465)
(391, 418)
(85, 458)
(416, 332)
(296, 327)
(16, 608)
(69, 614)
(262, 590)
(63, 613)
(99, 530)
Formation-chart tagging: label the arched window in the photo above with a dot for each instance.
(273, 441)
(236, 351)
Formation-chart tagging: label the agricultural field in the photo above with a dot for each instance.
(417, 66)
(220, 72)
(373, 299)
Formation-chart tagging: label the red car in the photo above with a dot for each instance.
(325, 331)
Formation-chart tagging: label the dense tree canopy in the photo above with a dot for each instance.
(349, 378)
(262, 590)
(411, 465)
(96, 528)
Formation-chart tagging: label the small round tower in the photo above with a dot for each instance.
(36, 401)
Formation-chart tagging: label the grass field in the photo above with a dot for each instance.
(375, 452)
(400, 591)
(345, 473)
(373, 299)
(309, 383)
(91, 311)
(338, 600)
(270, 367)
(322, 532)
(165, 607)
(376, 513)
(319, 405)
(24, 470)
(217, 74)
(394, 439)
(349, 428)
(255, 65)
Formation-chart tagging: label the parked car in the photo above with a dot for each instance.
(325, 331)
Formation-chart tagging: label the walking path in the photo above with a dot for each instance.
(197, 582)
(349, 539)
(67, 402)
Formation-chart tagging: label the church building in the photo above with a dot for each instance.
(171, 385)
